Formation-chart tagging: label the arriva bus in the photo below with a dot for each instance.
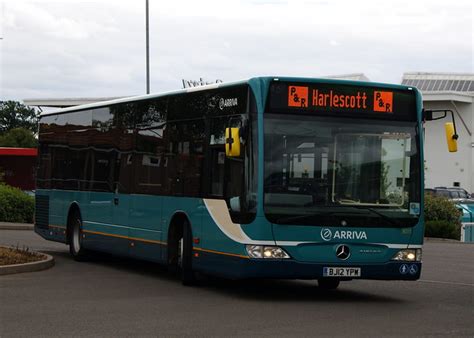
(289, 178)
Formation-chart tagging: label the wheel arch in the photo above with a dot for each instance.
(175, 232)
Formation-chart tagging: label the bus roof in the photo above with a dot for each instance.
(222, 85)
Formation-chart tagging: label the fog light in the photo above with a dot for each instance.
(408, 255)
(260, 251)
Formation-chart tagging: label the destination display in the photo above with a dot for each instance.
(341, 99)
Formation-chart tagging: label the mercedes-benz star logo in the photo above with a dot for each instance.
(326, 234)
(343, 252)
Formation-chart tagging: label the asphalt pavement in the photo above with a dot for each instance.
(112, 297)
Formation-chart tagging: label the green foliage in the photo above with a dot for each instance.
(18, 137)
(442, 229)
(442, 218)
(438, 208)
(15, 205)
(13, 115)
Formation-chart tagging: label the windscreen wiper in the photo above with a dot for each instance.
(384, 217)
(303, 217)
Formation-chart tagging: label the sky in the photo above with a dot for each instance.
(58, 49)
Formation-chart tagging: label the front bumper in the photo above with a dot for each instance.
(240, 268)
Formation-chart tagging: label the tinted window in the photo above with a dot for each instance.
(234, 178)
(149, 153)
(155, 146)
(63, 147)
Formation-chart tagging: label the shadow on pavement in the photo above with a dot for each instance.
(291, 291)
(258, 289)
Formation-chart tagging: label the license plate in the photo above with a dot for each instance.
(341, 272)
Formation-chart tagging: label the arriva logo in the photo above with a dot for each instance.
(225, 103)
(327, 235)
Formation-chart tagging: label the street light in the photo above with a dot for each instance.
(147, 50)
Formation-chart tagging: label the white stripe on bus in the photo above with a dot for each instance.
(220, 215)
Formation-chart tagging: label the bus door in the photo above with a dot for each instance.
(102, 160)
(101, 212)
(145, 169)
(121, 188)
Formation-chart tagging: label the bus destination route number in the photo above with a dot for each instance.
(359, 99)
(341, 272)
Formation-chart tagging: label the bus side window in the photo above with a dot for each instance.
(149, 151)
(216, 155)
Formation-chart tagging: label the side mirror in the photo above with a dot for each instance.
(450, 127)
(429, 116)
(451, 137)
(232, 142)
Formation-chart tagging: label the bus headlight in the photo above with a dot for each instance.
(260, 251)
(408, 255)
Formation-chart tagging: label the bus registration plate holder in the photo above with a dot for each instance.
(337, 271)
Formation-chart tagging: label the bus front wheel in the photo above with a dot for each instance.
(328, 283)
(75, 237)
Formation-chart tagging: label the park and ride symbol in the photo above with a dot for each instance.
(383, 101)
(297, 96)
(403, 269)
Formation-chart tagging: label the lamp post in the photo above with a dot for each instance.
(147, 49)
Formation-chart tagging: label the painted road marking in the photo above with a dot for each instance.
(442, 282)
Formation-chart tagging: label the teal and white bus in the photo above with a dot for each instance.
(291, 178)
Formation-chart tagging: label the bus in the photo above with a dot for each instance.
(271, 177)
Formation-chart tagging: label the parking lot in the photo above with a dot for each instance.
(120, 297)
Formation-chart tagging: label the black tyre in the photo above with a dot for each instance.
(185, 256)
(328, 283)
(76, 249)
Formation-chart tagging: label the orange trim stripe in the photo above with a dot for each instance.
(220, 253)
(154, 242)
(125, 237)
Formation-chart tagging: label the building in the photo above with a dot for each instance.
(17, 167)
(349, 77)
(455, 92)
(65, 102)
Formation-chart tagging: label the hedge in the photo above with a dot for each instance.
(15, 205)
(442, 218)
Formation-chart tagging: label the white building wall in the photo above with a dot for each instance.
(443, 168)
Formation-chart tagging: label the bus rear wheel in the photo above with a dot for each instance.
(76, 249)
(328, 283)
(185, 256)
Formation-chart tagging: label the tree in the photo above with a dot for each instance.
(18, 137)
(14, 114)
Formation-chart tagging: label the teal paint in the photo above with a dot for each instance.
(144, 219)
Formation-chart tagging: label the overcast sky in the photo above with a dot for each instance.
(56, 49)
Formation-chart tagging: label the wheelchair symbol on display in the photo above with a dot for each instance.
(413, 269)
